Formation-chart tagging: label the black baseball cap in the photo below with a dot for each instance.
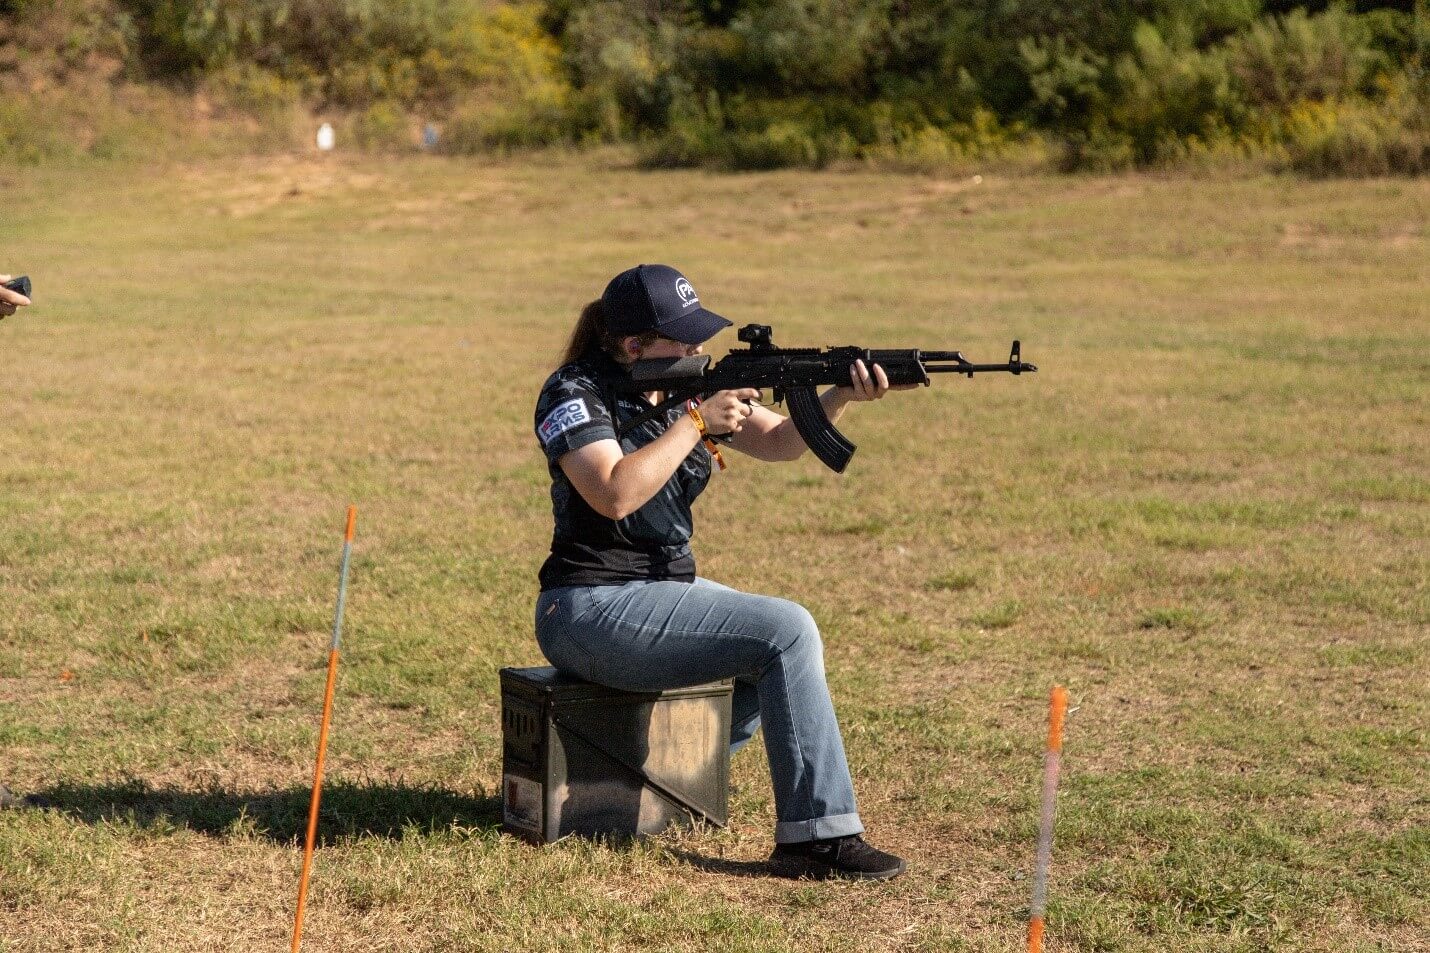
(658, 298)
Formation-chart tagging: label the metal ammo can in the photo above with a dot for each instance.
(580, 758)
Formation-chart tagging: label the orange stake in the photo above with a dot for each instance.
(323, 730)
(1052, 765)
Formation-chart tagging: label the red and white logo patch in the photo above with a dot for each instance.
(562, 418)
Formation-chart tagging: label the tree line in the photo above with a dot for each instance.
(1325, 88)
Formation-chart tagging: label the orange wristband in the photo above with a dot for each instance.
(695, 415)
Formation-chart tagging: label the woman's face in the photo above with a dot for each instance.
(662, 347)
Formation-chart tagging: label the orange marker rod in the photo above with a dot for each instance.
(1052, 765)
(323, 731)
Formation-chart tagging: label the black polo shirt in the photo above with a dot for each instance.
(576, 407)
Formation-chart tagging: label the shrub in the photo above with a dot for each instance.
(930, 148)
(381, 127)
(627, 64)
(780, 144)
(695, 135)
(352, 51)
(1357, 137)
(813, 45)
(94, 120)
(503, 46)
(746, 133)
(1167, 92)
(740, 133)
(1066, 79)
(60, 36)
(505, 75)
(255, 90)
(1284, 60)
(482, 123)
(1098, 148)
(24, 140)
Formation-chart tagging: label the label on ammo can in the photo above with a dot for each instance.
(521, 803)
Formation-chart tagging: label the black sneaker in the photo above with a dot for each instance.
(844, 857)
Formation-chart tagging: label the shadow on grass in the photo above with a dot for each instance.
(736, 868)
(348, 809)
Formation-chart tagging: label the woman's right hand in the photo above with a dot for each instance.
(10, 300)
(725, 411)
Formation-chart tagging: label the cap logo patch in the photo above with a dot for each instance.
(686, 292)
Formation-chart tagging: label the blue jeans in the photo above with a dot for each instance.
(654, 635)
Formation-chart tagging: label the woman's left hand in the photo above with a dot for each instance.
(866, 386)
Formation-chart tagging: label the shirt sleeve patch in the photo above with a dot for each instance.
(563, 417)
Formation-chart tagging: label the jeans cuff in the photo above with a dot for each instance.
(819, 828)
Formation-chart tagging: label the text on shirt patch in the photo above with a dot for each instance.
(562, 418)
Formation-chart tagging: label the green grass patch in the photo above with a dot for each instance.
(951, 582)
(1173, 617)
(999, 616)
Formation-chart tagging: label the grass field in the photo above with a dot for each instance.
(1207, 515)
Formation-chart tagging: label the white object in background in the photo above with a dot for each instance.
(326, 139)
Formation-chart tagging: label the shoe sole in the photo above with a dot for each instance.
(797, 867)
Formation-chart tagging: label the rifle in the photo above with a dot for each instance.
(793, 373)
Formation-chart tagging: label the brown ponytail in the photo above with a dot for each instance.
(590, 334)
(587, 334)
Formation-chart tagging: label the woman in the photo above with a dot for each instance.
(620, 603)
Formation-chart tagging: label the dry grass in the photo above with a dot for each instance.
(1207, 515)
